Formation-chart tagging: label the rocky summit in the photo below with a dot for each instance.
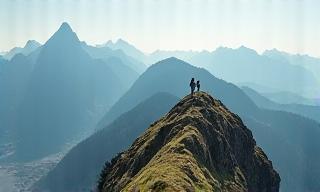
(199, 145)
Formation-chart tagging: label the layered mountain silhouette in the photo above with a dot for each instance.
(14, 78)
(172, 75)
(276, 131)
(105, 53)
(57, 93)
(29, 47)
(309, 111)
(275, 69)
(65, 88)
(159, 55)
(127, 48)
(198, 146)
(79, 169)
(285, 97)
(243, 61)
(306, 61)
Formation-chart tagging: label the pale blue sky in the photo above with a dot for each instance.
(289, 25)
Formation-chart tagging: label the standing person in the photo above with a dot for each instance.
(198, 85)
(192, 85)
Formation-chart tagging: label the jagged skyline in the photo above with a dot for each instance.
(166, 25)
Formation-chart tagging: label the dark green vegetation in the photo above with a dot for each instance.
(80, 168)
(198, 146)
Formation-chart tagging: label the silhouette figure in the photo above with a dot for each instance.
(192, 85)
(198, 85)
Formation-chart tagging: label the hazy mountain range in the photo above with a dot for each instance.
(271, 128)
(29, 47)
(58, 92)
(101, 98)
(300, 77)
(70, 175)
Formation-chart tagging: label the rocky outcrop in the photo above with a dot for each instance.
(198, 146)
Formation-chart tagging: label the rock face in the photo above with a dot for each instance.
(198, 146)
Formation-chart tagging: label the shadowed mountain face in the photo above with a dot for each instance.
(80, 168)
(198, 146)
(64, 96)
(271, 129)
(14, 78)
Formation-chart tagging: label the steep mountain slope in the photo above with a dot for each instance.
(79, 169)
(198, 146)
(29, 47)
(312, 112)
(248, 66)
(67, 92)
(272, 129)
(173, 75)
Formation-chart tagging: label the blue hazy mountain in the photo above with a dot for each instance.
(285, 97)
(29, 47)
(279, 96)
(309, 111)
(248, 66)
(290, 140)
(120, 63)
(65, 95)
(14, 78)
(2, 61)
(104, 52)
(80, 168)
(159, 55)
(293, 73)
(306, 61)
(171, 75)
(127, 48)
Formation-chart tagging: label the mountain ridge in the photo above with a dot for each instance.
(199, 145)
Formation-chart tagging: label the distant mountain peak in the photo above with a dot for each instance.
(32, 44)
(247, 50)
(64, 36)
(122, 41)
(199, 145)
(242, 49)
(126, 47)
(65, 27)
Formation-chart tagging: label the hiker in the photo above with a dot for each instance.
(198, 85)
(192, 85)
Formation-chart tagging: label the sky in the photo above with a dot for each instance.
(288, 25)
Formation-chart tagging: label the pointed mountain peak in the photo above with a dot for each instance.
(247, 50)
(32, 44)
(64, 36)
(199, 145)
(65, 27)
(121, 41)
